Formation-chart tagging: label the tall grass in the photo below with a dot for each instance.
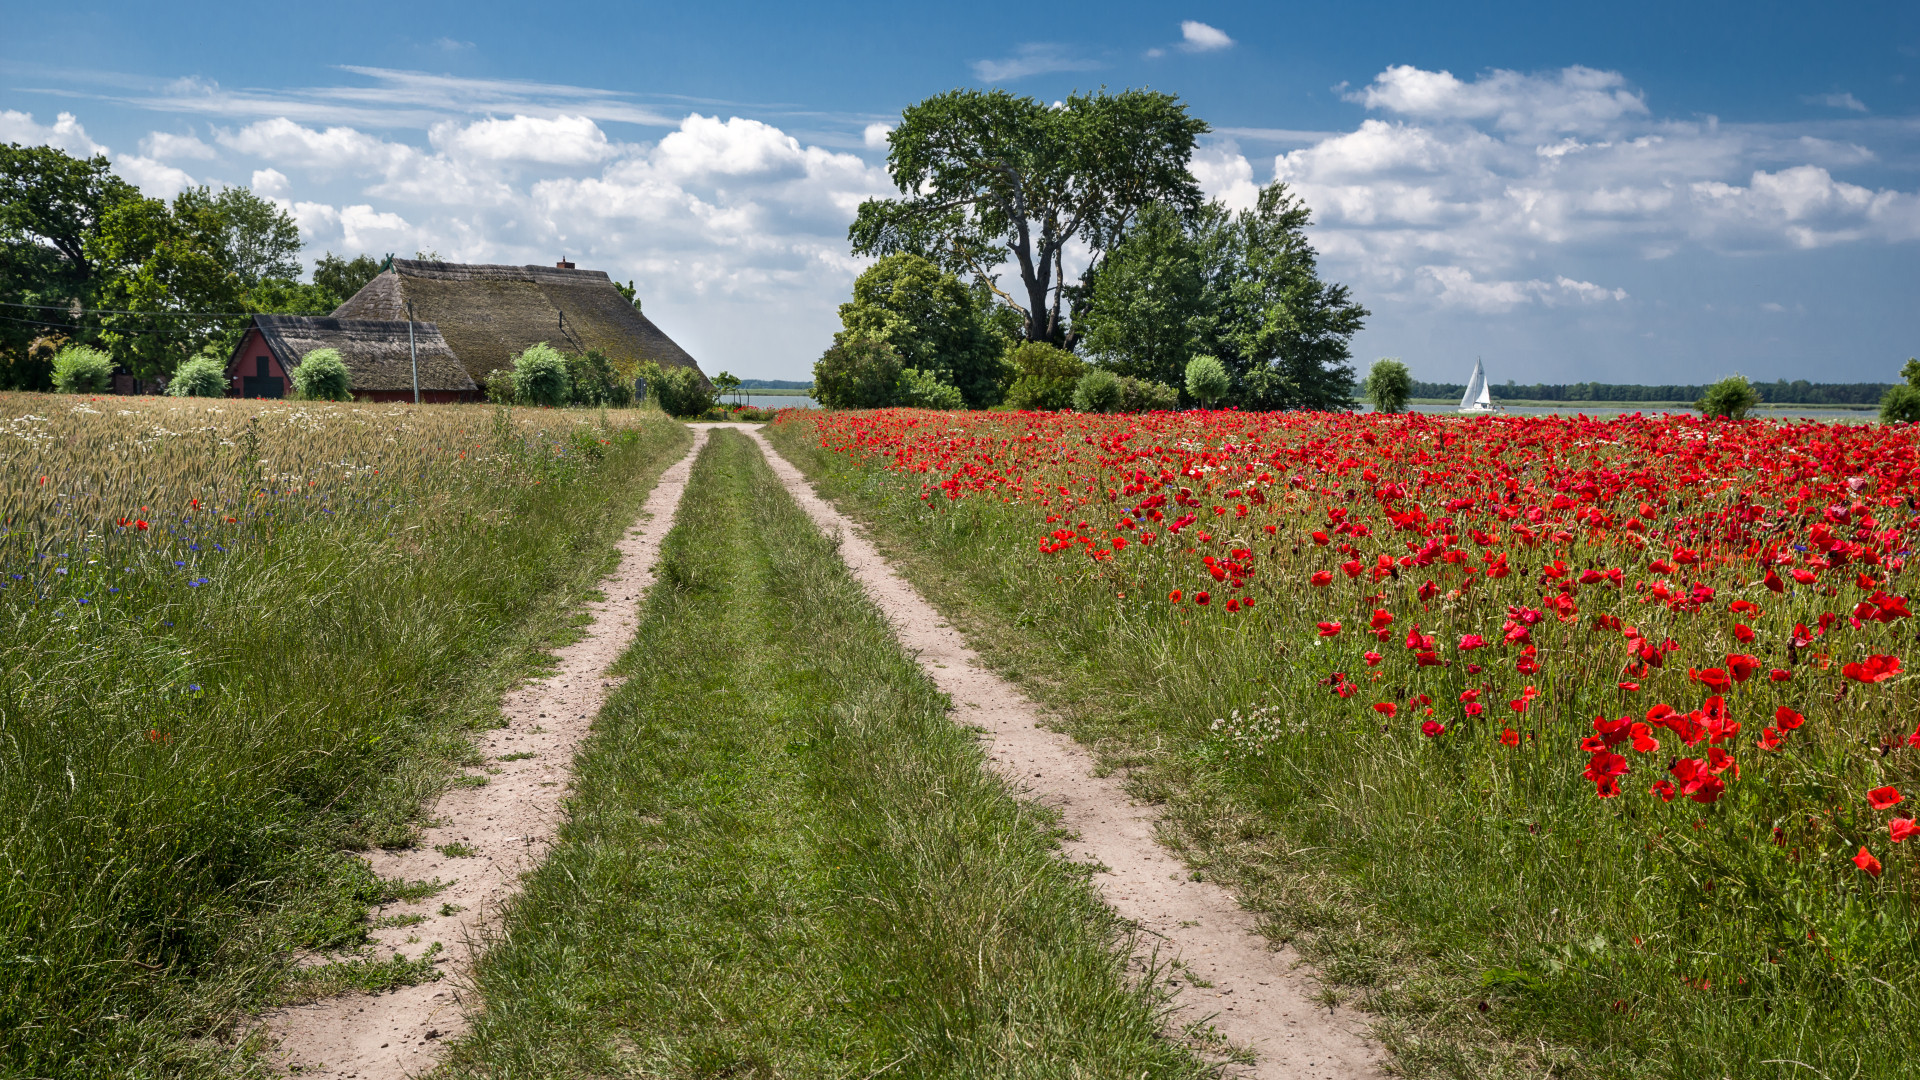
(1497, 915)
(784, 859)
(202, 718)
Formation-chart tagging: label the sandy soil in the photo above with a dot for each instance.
(508, 824)
(1256, 997)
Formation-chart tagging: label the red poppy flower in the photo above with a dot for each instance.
(1323, 578)
(1202, 598)
(1875, 669)
(1787, 718)
(1373, 658)
(1867, 862)
(1329, 629)
(1742, 666)
(1900, 828)
(1381, 619)
(1662, 788)
(1433, 728)
(1629, 686)
(1714, 678)
(1643, 740)
(1779, 675)
(1884, 798)
(1770, 739)
(1509, 737)
(1470, 642)
(1174, 596)
(1743, 633)
(1386, 708)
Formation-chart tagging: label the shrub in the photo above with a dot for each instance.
(202, 376)
(859, 371)
(540, 377)
(594, 380)
(679, 391)
(1044, 378)
(1098, 391)
(1731, 397)
(499, 386)
(1145, 395)
(1389, 385)
(80, 369)
(1901, 404)
(926, 390)
(1207, 380)
(322, 376)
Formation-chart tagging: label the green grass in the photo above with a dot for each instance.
(1497, 918)
(783, 859)
(185, 771)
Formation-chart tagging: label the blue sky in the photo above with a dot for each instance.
(1626, 192)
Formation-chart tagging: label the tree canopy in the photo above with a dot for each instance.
(987, 178)
(935, 323)
(151, 281)
(1244, 288)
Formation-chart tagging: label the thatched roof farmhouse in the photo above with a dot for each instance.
(375, 351)
(489, 314)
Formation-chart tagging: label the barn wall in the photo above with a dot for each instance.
(246, 364)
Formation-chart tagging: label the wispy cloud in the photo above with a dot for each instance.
(1836, 101)
(1031, 59)
(1196, 36)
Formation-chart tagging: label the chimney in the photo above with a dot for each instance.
(563, 264)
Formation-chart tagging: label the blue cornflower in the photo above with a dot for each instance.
(193, 688)
(62, 570)
(193, 547)
(84, 600)
(113, 588)
(177, 562)
(164, 622)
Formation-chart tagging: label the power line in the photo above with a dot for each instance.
(104, 329)
(155, 314)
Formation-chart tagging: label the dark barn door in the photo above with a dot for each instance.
(262, 385)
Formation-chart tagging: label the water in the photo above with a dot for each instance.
(1606, 410)
(770, 401)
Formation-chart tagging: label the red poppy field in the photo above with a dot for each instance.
(1609, 718)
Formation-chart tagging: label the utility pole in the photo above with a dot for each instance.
(413, 354)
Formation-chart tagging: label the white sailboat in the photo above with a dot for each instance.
(1477, 399)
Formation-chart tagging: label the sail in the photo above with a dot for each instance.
(1477, 395)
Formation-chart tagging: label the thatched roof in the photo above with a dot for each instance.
(375, 351)
(490, 314)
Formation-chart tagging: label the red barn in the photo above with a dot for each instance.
(376, 353)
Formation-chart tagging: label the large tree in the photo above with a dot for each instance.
(987, 178)
(50, 204)
(1241, 287)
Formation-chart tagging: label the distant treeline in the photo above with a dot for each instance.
(789, 384)
(1780, 392)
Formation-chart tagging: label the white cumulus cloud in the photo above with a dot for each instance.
(875, 135)
(561, 140)
(165, 146)
(1196, 36)
(64, 133)
(1577, 99)
(154, 178)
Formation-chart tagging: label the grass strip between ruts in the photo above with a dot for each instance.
(784, 859)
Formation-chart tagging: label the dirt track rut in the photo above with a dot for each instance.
(1258, 998)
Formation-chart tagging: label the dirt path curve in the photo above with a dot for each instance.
(1257, 997)
(508, 825)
